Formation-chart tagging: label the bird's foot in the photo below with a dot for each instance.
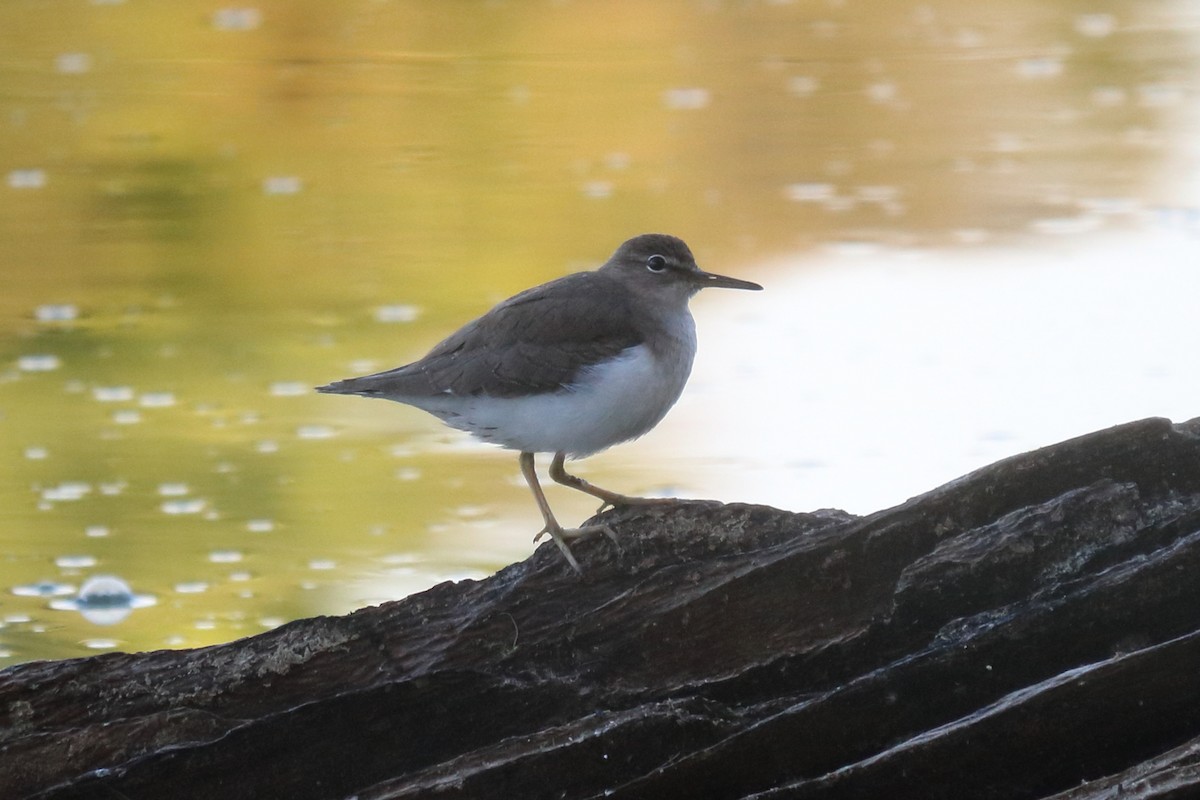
(625, 500)
(575, 533)
(607, 498)
(562, 535)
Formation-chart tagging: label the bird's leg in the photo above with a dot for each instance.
(560, 475)
(557, 532)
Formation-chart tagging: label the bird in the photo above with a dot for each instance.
(570, 367)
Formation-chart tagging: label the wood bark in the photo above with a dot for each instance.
(1030, 630)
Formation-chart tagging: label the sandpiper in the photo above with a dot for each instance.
(570, 367)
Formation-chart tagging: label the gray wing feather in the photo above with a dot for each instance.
(537, 341)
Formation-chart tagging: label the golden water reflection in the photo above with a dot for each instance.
(207, 212)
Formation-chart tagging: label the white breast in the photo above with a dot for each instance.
(613, 402)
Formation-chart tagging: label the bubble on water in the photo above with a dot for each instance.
(127, 416)
(1007, 143)
(44, 588)
(808, 192)
(225, 556)
(878, 194)
(113, 488)
(96, 531)
(26, 179)
(105, 591)
(597, 190)
(803, 85)
(73, 63)
(191, 587)
(471, 511)
(260, 525)
(205, 624)
(967, 38)
(175, 489)
(39, 362)
(1096, 25)
(157, 400)
(882, 92)
(66, 491)
(56, 312)
(181, 507)
(1109, 96)
(1161, 95)
(112, 394)
(408, 474)
(1040, 67)
(282, 185)
(271, 622)
(397, 312)
(289, 389)
(267, 446)
(881, 147)
(102, 644)
(971, 235)
(241, 577)
(520, 95)
(315, 432)
(36, 453)
(618, 160)
(75, 561)
(236, 19)
(104, 600)
(322, 564)
(687, 98)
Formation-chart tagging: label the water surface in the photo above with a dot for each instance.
(977, 226)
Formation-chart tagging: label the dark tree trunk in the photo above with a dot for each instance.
(1017, 633)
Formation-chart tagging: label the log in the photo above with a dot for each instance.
(1030, 630)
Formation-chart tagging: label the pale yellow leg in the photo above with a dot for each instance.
(559, 474)
(558, 533)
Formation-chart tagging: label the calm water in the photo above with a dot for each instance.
(978, 228)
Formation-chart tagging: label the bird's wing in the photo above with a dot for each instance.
(534, 342)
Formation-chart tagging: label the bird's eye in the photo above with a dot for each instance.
(656, 263)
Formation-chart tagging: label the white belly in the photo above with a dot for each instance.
(612, 403)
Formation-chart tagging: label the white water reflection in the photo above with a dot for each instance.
(873, 379)
(104, 600)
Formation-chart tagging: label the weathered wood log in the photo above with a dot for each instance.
(1021, 631)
